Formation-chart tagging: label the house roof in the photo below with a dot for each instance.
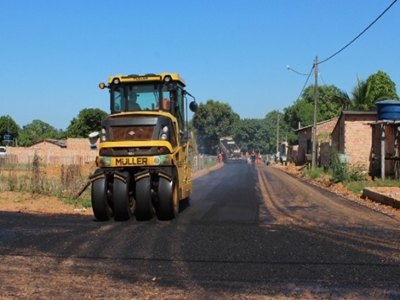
(357, 112)
(59, 143)
(319, 123)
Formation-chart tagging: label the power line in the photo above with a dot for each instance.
(305, 83)
(360, 34)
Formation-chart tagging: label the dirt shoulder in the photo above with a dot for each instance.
(42, 204)
(340, 190)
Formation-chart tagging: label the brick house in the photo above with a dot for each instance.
(356, 135)
(354, 138)
(304, 135)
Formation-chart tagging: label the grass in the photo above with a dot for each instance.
(84, 202)
(358, 186)
(314, 173)
(354, 178)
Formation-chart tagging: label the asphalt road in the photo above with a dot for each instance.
(249, 233)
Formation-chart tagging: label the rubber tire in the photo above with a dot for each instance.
(101, 208)
(168, 203)
(144, 208)
(124, 204)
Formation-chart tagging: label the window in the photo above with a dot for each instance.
(135, 97)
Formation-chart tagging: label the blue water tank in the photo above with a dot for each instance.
(388, 110)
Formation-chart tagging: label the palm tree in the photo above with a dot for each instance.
(361, 96)
(343, 99)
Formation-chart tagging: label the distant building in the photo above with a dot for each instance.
(304, 135)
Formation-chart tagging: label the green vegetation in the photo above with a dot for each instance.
(213, 120)
(37, 131)
(8, 125)
(87, 121)
(84, 202)
(315, 173)
(357, 187)
(353, 178)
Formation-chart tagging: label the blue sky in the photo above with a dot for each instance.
(54, 53)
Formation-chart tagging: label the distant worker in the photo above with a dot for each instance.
(220, 157)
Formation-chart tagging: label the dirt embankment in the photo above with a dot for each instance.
(339, 189)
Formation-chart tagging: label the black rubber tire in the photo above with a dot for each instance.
(124, 204)
(101, 208)
(168, 203)
(144, 208)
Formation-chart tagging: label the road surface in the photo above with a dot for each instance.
(249, 233)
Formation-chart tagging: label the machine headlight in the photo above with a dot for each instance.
(164, 133)
(103, 136)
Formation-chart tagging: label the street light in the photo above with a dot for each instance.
(293, 70)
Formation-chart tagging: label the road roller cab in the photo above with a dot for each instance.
(144, 152)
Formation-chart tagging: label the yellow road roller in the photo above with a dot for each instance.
(144, 161)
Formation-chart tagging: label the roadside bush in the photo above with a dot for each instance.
(357, 173)
(314, 173)
(84, 202)
(342, 172)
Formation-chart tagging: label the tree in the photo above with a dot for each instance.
(87, 121)
(381, 87)
(36, 131)
(8, 125)
(377, 87)
(299, 114)
(212, 121)
(331, 101)
(286, 133)
(251, 134)
(361, 96)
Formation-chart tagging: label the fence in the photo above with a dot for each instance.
(203, 161)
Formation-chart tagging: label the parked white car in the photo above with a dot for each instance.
(3, 151)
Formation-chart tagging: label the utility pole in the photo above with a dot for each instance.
(277, 134)
(314, 128)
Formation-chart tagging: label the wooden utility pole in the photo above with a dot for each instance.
(277, 134)
(314, 128)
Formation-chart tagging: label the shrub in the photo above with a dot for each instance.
(314, 173)
(340, 172)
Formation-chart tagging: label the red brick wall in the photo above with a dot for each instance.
(358, 139)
